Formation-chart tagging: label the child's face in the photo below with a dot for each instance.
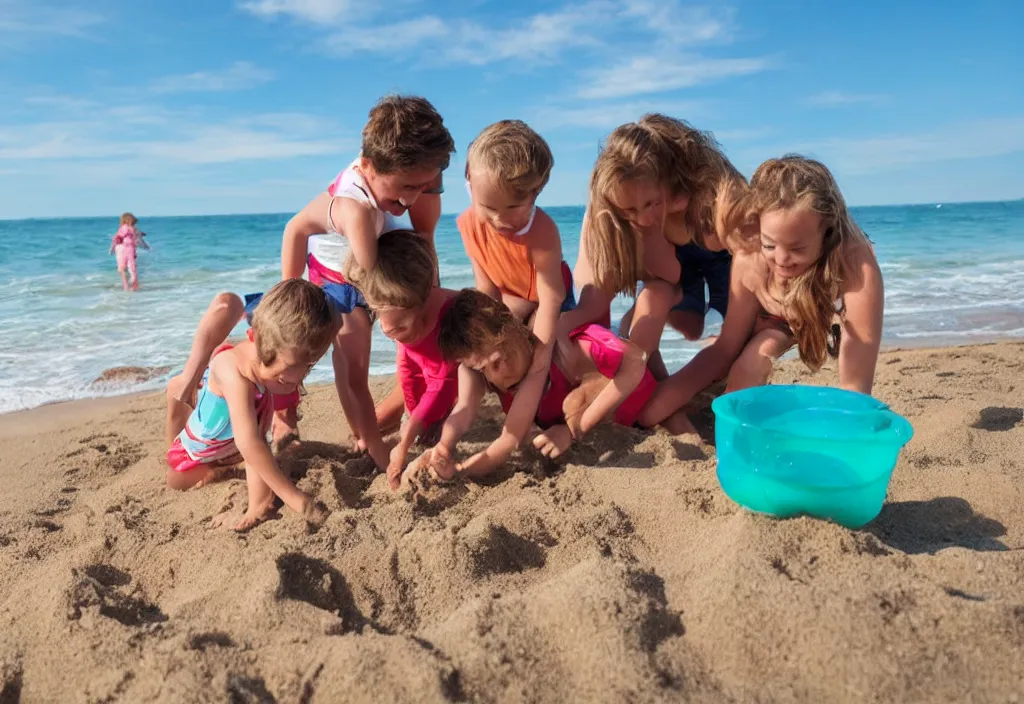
(502, 371)
(286, 373)
(505, 211)
(642, 202)
(405, 325)
(396, 192)
(791, 240)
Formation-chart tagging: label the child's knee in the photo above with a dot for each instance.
(752, 368)
(228, 304)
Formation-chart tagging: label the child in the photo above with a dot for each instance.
(800, 261)
(404, 150)
(516, 251)
(123, 245)
(496, 349)
(401, 291)
(219, 408)
(652, 191)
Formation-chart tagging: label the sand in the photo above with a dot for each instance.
(623, 574)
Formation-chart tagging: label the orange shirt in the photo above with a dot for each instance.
(507, 260)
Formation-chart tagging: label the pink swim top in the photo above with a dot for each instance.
(125, 236)
(429, 383)
(606, 351)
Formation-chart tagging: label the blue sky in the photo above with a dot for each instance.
(200, 106)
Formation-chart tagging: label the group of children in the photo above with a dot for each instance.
(782, 258)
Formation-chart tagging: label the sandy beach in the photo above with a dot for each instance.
(621, 574)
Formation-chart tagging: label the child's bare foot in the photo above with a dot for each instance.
(285, 428)
(553, 441)
(256, 515)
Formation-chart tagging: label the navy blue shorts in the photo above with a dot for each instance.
(569, 302)
(343, 299)
(698, 266)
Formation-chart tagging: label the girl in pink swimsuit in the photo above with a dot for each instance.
(606, 378)
(123, 246)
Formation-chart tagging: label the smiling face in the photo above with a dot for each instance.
(396, 192)
(791, 240)
(285, 374)
(505, 211)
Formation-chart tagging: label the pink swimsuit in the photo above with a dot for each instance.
(606, 350)
(124, 248)
(429, 383)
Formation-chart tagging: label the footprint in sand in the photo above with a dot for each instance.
(103, 587)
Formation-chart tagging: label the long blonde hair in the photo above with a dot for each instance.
(664, 151)
(809, 303)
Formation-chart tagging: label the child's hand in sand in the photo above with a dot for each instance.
(441, 462)
(395, 467)
(553, 441)
(315, 512)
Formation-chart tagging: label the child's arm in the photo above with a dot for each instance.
(471, 392)
(356, 220)
(626, 379)
(141, 239)
(714, 361)
(864, 299)
(240, 396)
(517, 425)
(483, 283)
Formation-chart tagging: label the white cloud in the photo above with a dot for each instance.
(399, 37)
(325, 12)
(683, 25)
(21, 20)
(240, 75)
(978, 139)
(660, 74)
(836, 98)
(609, 116)
(138, 133)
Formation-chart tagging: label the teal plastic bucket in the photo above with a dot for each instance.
(814, 450)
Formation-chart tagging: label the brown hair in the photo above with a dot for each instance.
(514, 154)
(664, 151)
(798, 182)
(129, 219)
(475, 323)
(406, 132)
(403, 276)
(294, 315)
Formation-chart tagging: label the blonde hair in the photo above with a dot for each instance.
(798, 182)
(514, 154)
(475, 323)
(405, 132)
(667, 152)
(129, 219)
(295, 316)
(403, 276)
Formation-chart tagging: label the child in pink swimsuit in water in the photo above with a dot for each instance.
(606, 379)
(123, 246)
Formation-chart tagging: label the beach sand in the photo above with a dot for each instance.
(623, 574)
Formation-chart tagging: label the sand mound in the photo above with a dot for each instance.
(619, 574)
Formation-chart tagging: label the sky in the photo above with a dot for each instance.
(245, 106)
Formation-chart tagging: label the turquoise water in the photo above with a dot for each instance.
(954, 273)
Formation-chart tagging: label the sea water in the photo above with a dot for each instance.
(954, 274)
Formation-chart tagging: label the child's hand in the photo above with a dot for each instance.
(553, 441)
(395, 467)
(441, 462)
(315, 512)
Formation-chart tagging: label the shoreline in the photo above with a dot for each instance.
(930, 345)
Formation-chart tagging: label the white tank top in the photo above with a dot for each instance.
(331, 249)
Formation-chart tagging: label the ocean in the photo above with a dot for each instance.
(953, 274)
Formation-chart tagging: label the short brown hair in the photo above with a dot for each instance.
(405, 132)
(129, 219)
(475, 323)
(513, 153)
(404, 274)
(294, 315)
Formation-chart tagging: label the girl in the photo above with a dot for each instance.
(516, 252)
(652, 191)
(496, 349)
(123, 246)
(219, 408)
(405, 148)
(801, 261)
(401, 291)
